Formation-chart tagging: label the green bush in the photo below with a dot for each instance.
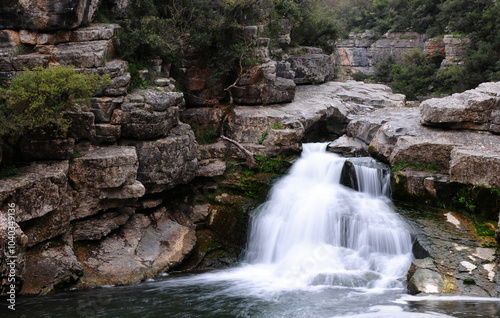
(415, 75)
(383, 70)
(37, 99)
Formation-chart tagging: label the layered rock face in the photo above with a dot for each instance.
(109, 173)
(47, 15)
(362, 51)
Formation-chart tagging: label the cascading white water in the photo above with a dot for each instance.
(315, 231)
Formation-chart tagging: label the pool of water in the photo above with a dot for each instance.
(221, 294)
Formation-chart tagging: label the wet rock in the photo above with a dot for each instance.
(348, 147)
(50, 266)
(318, 113)
(9, 228)
(166, 162)
(144, 247)
(47, 16)
(348, 176)
(424, 278)
(37, 190)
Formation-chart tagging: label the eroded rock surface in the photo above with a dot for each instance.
(319, 113)
(145, 246)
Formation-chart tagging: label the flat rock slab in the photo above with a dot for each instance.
(271, 130)
(402, 139)
(473, 109)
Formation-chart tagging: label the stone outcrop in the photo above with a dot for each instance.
(166, 162)
(259, 85)
(450, 258)
(318, 112)
(86, 48)
(144, 247)
(11, 232)
(49, 15)
(477, 109)
(310, 65)
(362, 51)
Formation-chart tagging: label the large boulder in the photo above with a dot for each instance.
(144, 247)
(423, 277)
(47, 15)
(50, 266)
(475, 109)
(166, 162)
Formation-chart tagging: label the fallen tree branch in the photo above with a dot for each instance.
(250, 159)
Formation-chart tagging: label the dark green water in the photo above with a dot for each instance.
(220, 294)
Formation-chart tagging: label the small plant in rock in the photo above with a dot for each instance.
(263, 137)
(277, 126)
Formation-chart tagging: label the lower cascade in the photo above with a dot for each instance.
(315, 231)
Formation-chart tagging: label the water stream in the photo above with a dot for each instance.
(316, 249)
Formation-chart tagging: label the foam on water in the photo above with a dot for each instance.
(315, 231)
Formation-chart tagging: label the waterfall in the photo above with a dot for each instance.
(315, 231)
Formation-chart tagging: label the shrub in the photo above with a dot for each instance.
(383, 69)
(37, 100)
(415, 75)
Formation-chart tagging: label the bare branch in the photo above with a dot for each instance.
(250, 159)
